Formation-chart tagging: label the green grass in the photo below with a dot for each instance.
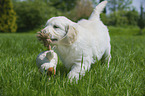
(19, 75)
(128, 30)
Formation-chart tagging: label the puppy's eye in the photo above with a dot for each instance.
(55, 26)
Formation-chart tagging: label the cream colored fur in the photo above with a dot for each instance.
(87, 39)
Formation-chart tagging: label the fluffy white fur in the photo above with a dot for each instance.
(87, 39)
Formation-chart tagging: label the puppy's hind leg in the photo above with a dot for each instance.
(107, 56)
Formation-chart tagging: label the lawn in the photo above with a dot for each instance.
(19, 74)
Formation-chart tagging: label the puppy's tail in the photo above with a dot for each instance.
(97, 11)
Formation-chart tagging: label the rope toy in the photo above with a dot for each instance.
(45, 38)
(46, 60)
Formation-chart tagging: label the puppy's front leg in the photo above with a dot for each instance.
(78, 70)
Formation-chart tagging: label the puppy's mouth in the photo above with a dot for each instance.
(54, 40)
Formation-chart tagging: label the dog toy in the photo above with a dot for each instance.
(46, 62)
(45, 38)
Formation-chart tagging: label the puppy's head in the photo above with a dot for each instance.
(61, 30)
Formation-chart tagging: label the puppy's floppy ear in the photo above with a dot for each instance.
(70, 36)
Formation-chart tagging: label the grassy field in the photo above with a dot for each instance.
(19, 75)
